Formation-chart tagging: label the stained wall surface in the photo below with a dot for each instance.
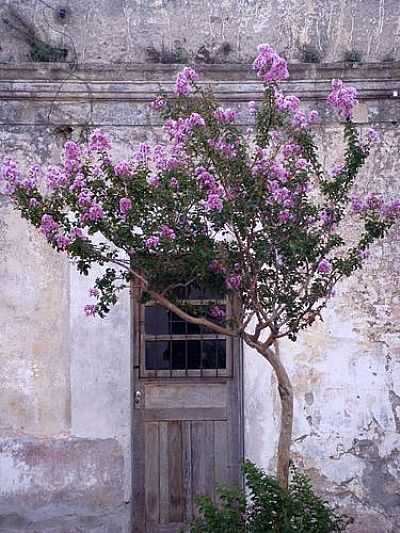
(65, 387)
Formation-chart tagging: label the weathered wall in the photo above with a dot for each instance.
(65, 381)
(138, 31)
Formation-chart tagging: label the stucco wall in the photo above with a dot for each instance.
(136, 31)
(65, 380)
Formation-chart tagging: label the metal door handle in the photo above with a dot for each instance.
(138, 397)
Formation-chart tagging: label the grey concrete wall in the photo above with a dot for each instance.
(138, 31)
(66, 393)
(65, 380)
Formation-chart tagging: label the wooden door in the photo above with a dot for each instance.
(186, 417)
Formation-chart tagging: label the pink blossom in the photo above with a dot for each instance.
(363, 254)
(9, 176)
(174, 184)
(286, 103)
(357, 204)
(90, 310)
(269, 65)
(48, 225)
(99, 141)
(313, 116)
(302, 164)
(62, 241)
(284, 216)
(167, 233)
(125, 205)
(343, 98)
(225, 148)
(324, 266)
(159, 103)
(78, 183)
(224, 116)
(56, 177)
(213, 202)
(33, 203)
(184, 81)
(336, 170)
(233, 282)
(76, 233)
(72, 151)
(122, 169)
(153, 241)
(95, 212)
(195, 119)
(153, 180)
(93, 291)
(217, 313)
(85, 198)
(205, 179)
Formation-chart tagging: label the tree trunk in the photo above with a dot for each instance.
(286, 421)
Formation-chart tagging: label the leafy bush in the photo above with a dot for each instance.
(268, 508)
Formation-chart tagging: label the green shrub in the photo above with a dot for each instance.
(268, 508)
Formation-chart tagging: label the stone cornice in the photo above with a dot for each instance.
(139, 83)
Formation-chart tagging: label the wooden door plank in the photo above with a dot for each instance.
(208, 413)
(187, 470)
(221, 453)
(152, 472)
(203, 467)
(175, 472)
(164, 478)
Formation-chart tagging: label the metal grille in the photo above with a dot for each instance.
(172, 347)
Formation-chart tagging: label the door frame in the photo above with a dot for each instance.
(235, 411)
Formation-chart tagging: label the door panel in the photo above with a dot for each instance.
(187, 435)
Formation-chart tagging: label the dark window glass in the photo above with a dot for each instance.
(221, 353)
(177, 325)
(209, 354)
(156, 320)
(194, 355)
(157, 355)
(178, 349)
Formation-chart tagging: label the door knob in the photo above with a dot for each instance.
(138, 397)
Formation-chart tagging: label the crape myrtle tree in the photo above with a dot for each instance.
(252, 214)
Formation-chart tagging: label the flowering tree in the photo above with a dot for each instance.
(252, 214)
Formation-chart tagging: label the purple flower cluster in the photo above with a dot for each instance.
(343, 98)
(374, 203)
(217, 313)
(213, 202)
(233, 282)
(225, 148)
(99, 141)
(152, 242)
(125, 205)
(159, 103)
(56, 178)
(269, 65)
(72, 151)
(9, 176)
(184, 81)
(324, 266)
(205, 179)
(122, 169)
(224, 116)
(286, 103)
(90, 310)
(48, 225)
(167, 233)
(179, 130)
